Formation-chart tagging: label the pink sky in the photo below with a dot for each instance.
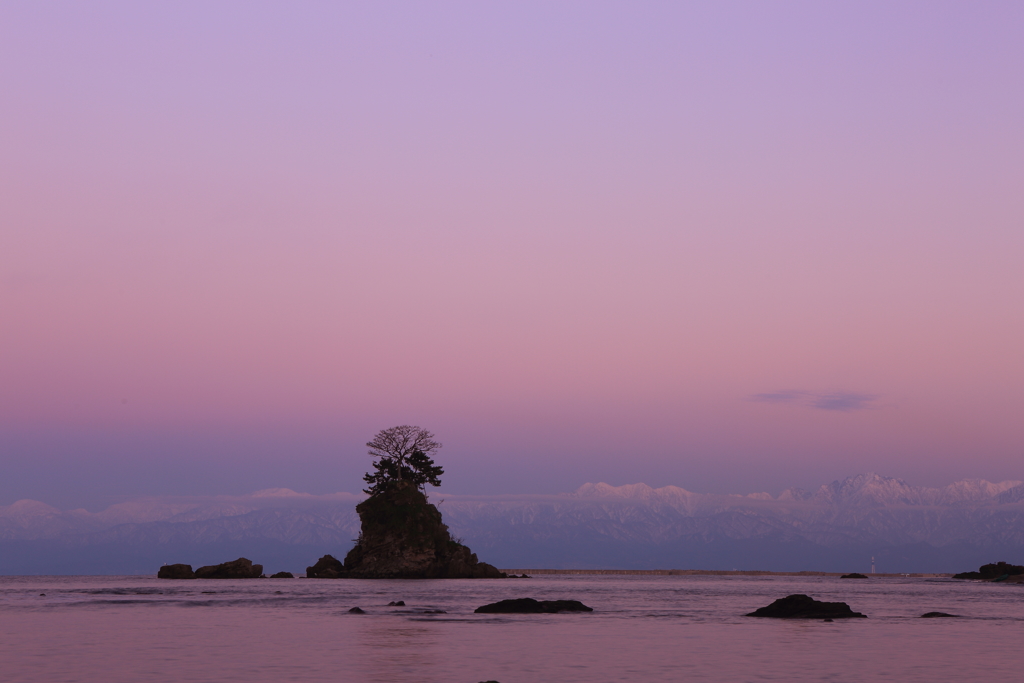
(731, 247)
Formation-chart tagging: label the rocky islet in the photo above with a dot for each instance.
(799, 606)
(532, 606)
(402, 536)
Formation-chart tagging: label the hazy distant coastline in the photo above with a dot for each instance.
(837, 528)
(703, 572)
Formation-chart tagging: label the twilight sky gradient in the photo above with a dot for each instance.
(728, 246)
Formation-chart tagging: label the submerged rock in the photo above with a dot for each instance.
(241, 568)
(531, 606)
(805, 607)
(282, 575)
(396, 603)
(356, 610)
(938, 615)
(402, 537)
(176, 571)
(854, 575)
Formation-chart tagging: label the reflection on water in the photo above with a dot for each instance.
(644, 628)
(396, 652)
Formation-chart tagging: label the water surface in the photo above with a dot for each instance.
(644, 628)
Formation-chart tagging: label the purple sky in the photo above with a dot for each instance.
(728, 246)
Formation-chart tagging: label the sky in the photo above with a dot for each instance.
(727, 246)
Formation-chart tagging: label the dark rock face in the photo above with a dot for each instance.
(805, 607)
(396, 603)
(937, 615)
(239, 569)
(327, 567)
(402, 537)
(356, 610)
(531, 606)
(282, 575)
(854, 575)
(175, 571)
(992, 571)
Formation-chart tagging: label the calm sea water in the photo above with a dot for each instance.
(644, 628)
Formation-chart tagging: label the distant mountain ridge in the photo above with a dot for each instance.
(838, 526)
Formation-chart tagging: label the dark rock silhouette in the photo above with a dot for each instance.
(241, 568)
(176, 571)
(805, 607)
(531, 606)
(402, 537)
(396, 603)
(282, 575)
(327, 567)
(937, 615)
(356, 610)
(992, 572)
(854, 575)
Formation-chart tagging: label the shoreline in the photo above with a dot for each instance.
(712, 572)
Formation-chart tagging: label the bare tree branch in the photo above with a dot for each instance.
(402, 447)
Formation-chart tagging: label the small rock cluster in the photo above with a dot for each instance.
(999, 571)
(241, 568)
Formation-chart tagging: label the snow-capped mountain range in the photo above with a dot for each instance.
(839, 526)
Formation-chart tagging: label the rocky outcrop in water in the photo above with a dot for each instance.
(176, 571)
(402, 537)
(805, 607)
(993, 572)
(282, 575)
(327, 567)
(241, 568)
(938, 615)
(854, 575)
(531, 606)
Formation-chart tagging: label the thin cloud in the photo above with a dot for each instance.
(843, 401)
(779, 397)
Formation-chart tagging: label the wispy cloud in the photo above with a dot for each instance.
(844, 401)
(780, 397)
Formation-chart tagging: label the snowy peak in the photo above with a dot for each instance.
(278, 493)
(603, 490)
(869, 489)
(630, 491)
(973, 490)
(26, 508)
(863, 490)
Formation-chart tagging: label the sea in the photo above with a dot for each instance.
(114, 629)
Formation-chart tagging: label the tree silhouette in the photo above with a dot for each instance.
(403, 454)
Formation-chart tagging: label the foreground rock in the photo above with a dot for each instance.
(805, 607)
(176, 571)
(531, 606)
(241, 568)
(854, 575)
(402, 537)
(993, 572)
